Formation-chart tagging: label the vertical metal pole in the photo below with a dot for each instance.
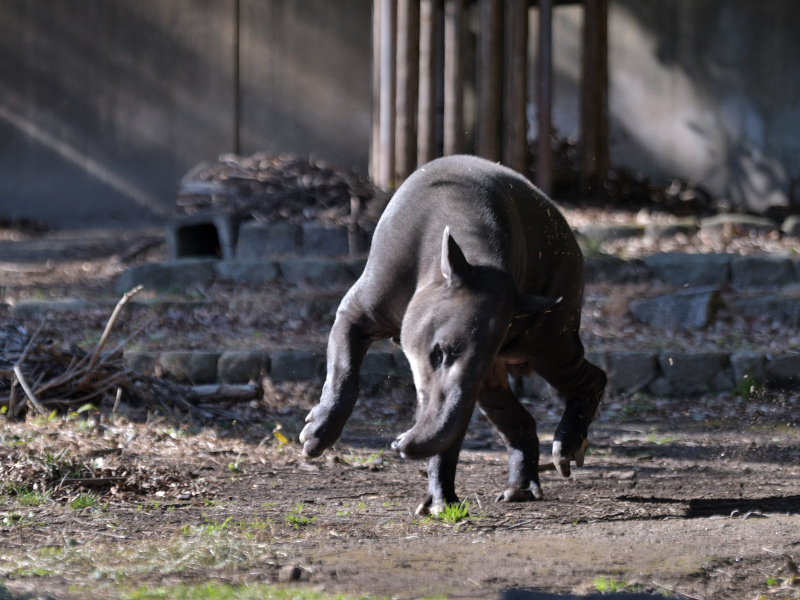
(387, 94)
(407, 86)
(594, 95)
(453, 77)
(490, 78)
(375, 139)
(237, 83)
(544, 98)
(515, 143)
(426, 129)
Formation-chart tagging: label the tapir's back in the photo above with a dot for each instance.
(497, 217)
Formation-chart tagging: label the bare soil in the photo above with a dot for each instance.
(695, 498)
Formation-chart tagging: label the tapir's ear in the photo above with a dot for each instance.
(455, 267)
(530, 305)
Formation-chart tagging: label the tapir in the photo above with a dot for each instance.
(478, 276)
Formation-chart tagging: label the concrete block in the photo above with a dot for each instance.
(747, 365)
(56, 305)
(378, 363)
(690, 269)
(325, 240)
(732, 224)
(692, 308)
(630, 372)
(761, 271)
(140, 361)
(783, 372)
(402, 365)
(241, 366)
(265, 240)
(696, 373)
(655, 231)
(783, 308)
(315, 270)
(607, 232)
(246, 271)
(297, 365)
(356, 266)
(165, 277)
(207, 234)
(791, 226)
(186, 366)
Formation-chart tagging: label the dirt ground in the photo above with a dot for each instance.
(691, 498)
(695, 509)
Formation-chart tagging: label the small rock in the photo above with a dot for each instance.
(289, 573)
(731, 225)
(791, 226)
(736, 513)
(621, 475)
(688, 309)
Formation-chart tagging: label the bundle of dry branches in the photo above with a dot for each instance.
(43, 376)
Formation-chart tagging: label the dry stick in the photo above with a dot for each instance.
(104, 338)
(29, 391)
(14, 410)
(129, 338)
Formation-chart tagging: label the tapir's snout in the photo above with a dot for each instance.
(436, 428)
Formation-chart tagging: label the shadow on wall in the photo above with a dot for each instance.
(709, 92)
(106, 108)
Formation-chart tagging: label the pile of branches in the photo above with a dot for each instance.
(41, 375)
(279, 188)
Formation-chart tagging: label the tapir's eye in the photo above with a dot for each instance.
(437, 357)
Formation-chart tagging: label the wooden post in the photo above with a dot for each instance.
(515, 144)
(594, 95)
(426, 115)
(490, 78)
(544, 98)
(375, 139)
(387, 94)
(407, 87)
(453, 77)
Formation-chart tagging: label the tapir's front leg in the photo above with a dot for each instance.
(347, 346)
(518, 429)
(442, 480)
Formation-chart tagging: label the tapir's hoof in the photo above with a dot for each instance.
(323, 428)
(562, 458)
(429, 508)
(515, 494)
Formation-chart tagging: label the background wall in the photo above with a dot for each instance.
(703, 90)
(106, 104)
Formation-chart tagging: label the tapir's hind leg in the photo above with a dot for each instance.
(582, 384)
(518, 429)
(347, 346)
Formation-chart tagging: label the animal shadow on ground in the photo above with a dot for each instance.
(708, 507)
(518, 594)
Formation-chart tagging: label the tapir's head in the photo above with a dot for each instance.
(451, 333)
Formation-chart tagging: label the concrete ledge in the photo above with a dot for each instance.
(666, 374)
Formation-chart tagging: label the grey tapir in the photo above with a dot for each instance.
(478, 276)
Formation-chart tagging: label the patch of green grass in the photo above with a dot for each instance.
(453, 513)
(660, 440)
(772, 582)
(83, 501)
(748, 388)
(364, 460)
(236, 467)
(215, 591)
(609, 585)
(297, 519)
(27, 497)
